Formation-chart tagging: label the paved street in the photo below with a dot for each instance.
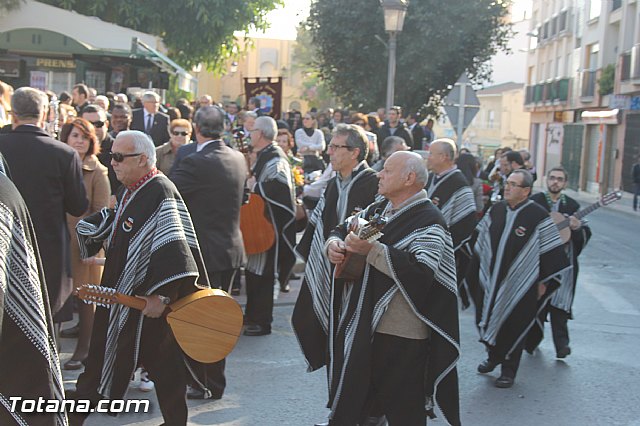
(598, 384)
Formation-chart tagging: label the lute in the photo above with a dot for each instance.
(562, 221)
(352, 267)
(206, 323)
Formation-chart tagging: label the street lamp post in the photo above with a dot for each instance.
(394, 13)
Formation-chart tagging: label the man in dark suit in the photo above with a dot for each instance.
(183, 152)
(98, 117)
(150, 121)
(417, 132)
(48, 175)
(211, 181)
(80, 96)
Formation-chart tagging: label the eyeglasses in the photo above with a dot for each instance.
(180, 133)
(98, 124)
(513, 184)
(555, 178)
(119, 157)
(334, 146)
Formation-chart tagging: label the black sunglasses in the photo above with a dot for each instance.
(180, 133)
(119, 157)
(97, 124)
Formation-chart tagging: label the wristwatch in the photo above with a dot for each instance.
(164, 299)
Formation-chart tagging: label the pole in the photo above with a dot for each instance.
(391, 72)
(460, 125)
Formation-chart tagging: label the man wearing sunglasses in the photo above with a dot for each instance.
(559, 308)
(517, 253)
(98, 117)
(152, 254)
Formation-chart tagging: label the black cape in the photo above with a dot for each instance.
(420, 251)
(310, 318)
(511, 255)
(454, 197)
(151, 247)
(29, 365)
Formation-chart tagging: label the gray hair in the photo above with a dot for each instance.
(356, 138)
(250, 114)
(449, 147)
(150, 97)
(28, 103)
(389, 144)
(527, 177)
(142, 144)
(414, 163)
(267, 126)
(209, 121)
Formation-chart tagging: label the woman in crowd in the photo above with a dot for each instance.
(6, 91)
(468, 165)
(310, 142)
(180, 134)
(81, 136)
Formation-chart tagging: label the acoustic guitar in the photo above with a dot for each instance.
(352, 267)
(257, 230)
(562, 221)
(206, 323)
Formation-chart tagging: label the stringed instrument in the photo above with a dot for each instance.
(562, 221)
(206, 323)
(258, 234)
(352, 267)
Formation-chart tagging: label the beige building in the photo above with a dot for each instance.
(266, 58)
(500, 121)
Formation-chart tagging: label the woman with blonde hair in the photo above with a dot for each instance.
(6, 91)
(81, 136)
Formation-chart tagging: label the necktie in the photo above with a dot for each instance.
(149, 124)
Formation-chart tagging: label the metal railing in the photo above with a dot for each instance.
(550, 92)
(588, 84)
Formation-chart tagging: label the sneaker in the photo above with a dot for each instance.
(146, 385)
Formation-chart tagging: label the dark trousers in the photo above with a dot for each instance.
(162, 358)
(559, 329)
(397, 380)
(259, 309)
(509, 366)
(636, 194)
(222, 279)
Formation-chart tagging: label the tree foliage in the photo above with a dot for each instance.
(194, 31)
(439, 41)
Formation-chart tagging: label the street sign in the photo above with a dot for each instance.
(461, 105)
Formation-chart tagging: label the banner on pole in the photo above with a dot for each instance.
(268, 91)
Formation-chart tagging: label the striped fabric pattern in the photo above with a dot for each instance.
(24, 303)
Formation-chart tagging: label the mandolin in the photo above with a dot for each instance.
(257, 230)
(206, 323)
(352, 267)
(562, 221)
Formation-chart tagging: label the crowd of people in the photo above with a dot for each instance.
(146, 198)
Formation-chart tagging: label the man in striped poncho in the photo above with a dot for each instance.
(517, 256)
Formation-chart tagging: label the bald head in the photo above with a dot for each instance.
(442, 155)
(404, 174)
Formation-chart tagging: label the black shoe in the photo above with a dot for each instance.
(563, 352)
(256, 330)
(71, 332)
(504, 382)
(195, 393)
(376, 421)
(235, 292)
(285, 288)
(486, 366)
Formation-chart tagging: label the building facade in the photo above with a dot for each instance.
(582, 92)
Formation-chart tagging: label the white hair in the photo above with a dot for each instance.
(267, 126)
(150, 96)
(413, 162)
(142, 144)
(104, 99)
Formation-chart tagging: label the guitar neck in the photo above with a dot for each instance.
(580, 214)
(131, 301)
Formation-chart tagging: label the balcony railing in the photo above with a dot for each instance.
(552, 92)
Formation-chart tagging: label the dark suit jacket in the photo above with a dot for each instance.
(160, 130)
(105, 158)
(211, 183)
(48, 174)
(417, 133)
(183, 151)
(401, 131)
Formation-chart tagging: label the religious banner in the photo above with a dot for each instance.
(268, 91)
